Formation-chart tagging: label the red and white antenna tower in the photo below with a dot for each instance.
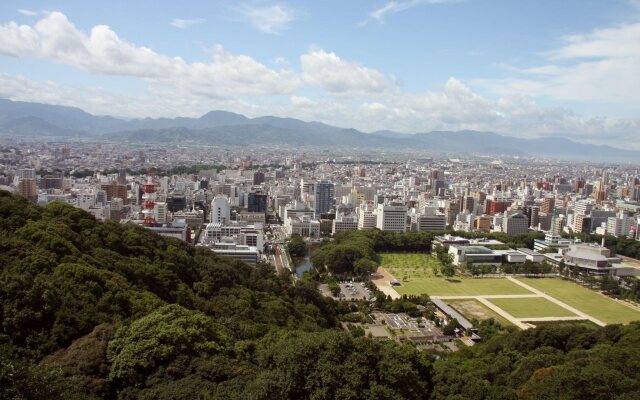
(149, 200)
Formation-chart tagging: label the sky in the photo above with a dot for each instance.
(522, 68)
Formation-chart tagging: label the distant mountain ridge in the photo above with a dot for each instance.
(227, 128)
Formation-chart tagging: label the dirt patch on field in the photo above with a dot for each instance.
(383, 283)
(472, 309)
(385, 277)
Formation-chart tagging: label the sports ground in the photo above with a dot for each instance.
(520, 301)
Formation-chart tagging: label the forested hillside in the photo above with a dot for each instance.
(102, 310)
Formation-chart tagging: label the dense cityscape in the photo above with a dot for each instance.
(387, 199)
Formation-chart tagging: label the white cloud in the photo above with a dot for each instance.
(599, 66)
(336, 91)
(269, 19)
(185, 23)
(396, 6)
(28, 13)
(301, 101)
(101, 51)
(337, 76)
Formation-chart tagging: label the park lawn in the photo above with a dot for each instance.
(473, 309)
(457, 286)
(585, 300)
(409, 263)
(416, 272)
(532, 307)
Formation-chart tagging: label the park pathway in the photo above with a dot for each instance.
(384, 283)
(558, 302)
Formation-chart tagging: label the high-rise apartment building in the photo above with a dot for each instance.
(27, 188)
(114, 189)
(548, 205)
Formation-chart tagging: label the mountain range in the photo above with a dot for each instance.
(227, 128)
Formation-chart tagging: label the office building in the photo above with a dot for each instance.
(220, 210)
(392, 217)
(515, 224)
(323, 197)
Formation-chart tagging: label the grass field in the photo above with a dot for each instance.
(459, 286)
(585, 300)
(416, 272)
(473, 309)
(532, 308)
(413, 264)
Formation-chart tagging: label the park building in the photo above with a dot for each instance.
(474, 255)
(551, 241)
(590, 258)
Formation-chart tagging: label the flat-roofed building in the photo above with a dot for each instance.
(248, 254)
(391, 217)
(474, 255)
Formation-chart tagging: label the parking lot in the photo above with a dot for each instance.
(354, 291)
(349, 291)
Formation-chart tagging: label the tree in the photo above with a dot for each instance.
(159, 337)
(297, 246)
(448, 270)
(449, 328)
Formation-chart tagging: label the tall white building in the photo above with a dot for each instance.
(366, 218)
(220, 210)
(619, 225)
(392, 217)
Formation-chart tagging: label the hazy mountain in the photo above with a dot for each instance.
(227, 128)
(34, 126)
(64, 118)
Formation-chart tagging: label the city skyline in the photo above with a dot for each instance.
(408, 66)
